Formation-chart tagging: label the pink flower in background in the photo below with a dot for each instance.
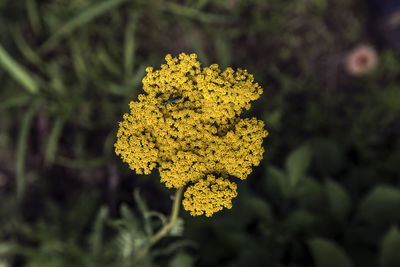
(360, 60)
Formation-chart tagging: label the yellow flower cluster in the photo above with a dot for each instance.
(209, 195)
(188, 126)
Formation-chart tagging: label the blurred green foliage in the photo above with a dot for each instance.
(327, 192)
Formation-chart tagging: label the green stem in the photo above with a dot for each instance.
(166, 228)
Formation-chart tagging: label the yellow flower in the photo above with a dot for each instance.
(188, 126)
(209, 196)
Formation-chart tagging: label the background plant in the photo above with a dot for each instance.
(327, 191)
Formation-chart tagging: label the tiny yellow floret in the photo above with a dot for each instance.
(188, 125)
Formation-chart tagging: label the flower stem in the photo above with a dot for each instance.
(166, 228)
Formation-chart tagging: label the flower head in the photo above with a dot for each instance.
(361, 60)
(209, 195)
(188, 126)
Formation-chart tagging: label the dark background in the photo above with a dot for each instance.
(326, 193)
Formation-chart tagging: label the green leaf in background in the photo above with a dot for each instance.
(129, 218)
(4, 263)
(17, 71)
(7, 248)
(96, 238)
(327, 155)
(273, 118)
(276, 182)
(310, 195)
(391, 99)
(144, 210)
(381, 205)
(390, 248)
(177, 228)
(297, 164)
(328, 254)
(338, 199)
(259, 207)
(181, 260)
(300, 220)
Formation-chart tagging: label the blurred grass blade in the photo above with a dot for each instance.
(80, 163)
(33, 15)
(129, 47)
(137, 78)
(21, 148)
(26, 50)
(79, 20)
(78, 61)
(223, 48)
(109, 64)
(17, 71)
(195, 40)
(14, 101)
(193, 13)
(53, 139)
(96, 239)
(144, 210)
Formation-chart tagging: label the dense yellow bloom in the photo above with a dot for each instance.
(188, 126)
(209, 195)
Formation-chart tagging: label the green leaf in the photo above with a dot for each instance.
(297, 164)
(144, 210)
(391, 99)
(390, 248)
(19, 73)
(327, 155)
(310, 195)
(173, 247)
(328, 254)
(177, 228)
(382, 205)
(338, 199)
(7, 248)
(96, 238)
(259, 207)
(181, 260)
(277, 182)
(128, 217)
(300, 220)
